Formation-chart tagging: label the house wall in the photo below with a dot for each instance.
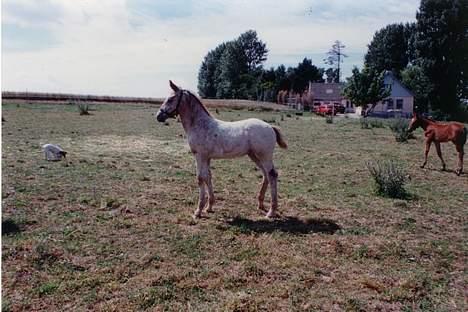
(408, 103)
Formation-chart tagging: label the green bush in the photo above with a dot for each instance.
(369, 123)
(389, 178)
(365, 123)
(399, 127)
(376, 123)
(83, 108)
(329, 119)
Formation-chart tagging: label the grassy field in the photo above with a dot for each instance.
(110, 228)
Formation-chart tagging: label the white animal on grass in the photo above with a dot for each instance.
(53, 152)
(210, 138)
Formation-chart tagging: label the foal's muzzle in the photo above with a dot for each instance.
(161, 116)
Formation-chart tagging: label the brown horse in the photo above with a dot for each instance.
(438, 133)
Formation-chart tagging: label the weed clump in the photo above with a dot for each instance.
(329, 119)
(83, 108)
(369, 123)
(399, 127)
(389, 178)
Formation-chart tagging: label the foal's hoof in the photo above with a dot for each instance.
(422, 166)
(458, 172)
(197, 215)
(272, 215)
(209, 210)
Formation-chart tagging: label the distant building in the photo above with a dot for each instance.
(329, 93)
(400, 103)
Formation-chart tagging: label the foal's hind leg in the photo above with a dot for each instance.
(211, 198)
(439, 153)
(460, 158)
(272, 175)
(263, 188)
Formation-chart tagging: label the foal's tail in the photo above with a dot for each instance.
(464, 136)
(280, 138)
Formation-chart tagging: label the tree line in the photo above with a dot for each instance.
(429, 56)
(234, 69)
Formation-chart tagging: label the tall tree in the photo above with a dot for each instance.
(303, 73)
(232, 66)
(207, 75)
(254, 50)
(414, 78)
(390, 48)
(335, 57)
(442, 49)
(233, 69)
(332, 75)
(366, 87)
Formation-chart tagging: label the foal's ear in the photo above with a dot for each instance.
(173, 86)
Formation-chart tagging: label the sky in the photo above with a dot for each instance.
(133, 47)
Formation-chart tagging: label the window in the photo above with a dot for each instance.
(399, 104)
(389, 104)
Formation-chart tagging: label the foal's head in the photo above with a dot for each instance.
(415, 122)
(170, 107)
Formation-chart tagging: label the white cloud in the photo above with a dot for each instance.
(112, 47)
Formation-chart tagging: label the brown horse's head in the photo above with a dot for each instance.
(415, 122)
(170, 107)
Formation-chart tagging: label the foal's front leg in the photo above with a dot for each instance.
(439, 153)
(203, 172)
(428, 147)
(461, 152)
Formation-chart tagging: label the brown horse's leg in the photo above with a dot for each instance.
(263, 188)
(461, 152)
(439, 153)
(428, 147)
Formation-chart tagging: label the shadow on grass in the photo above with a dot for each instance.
(291, 225)
(9, 227)
(449, 171)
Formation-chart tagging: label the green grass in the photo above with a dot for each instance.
(110, 228)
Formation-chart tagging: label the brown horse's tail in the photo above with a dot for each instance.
(280, 138)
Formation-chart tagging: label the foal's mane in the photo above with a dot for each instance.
(199, 102)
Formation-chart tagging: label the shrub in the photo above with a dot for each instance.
(369, 123)
(389, 178)
(376, 123)
(329, 119)
(399, 127)
(83, 108)
(365, 123)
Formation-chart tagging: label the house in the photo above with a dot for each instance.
(329, 93)
(400, 103)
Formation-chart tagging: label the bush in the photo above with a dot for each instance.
(329, 119)
(376, 123)
(365, 123)
(83, 108)
(389, 178)
(369, 123)
(399, 127)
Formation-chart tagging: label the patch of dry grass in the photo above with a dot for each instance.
(110, 228)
